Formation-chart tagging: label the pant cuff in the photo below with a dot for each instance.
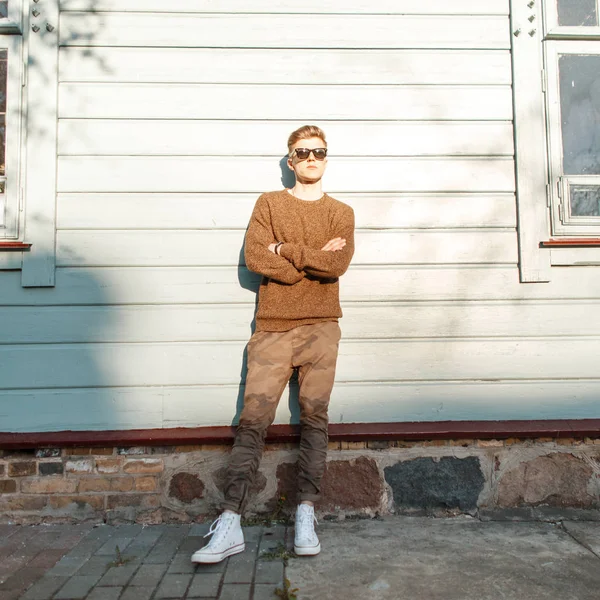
(308, 497)
(231, 506)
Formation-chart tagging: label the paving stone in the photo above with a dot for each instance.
(199, 529)
(273, 533)
(166, 546)
(118, 575)
(77, 587)
(265, 591)
(182, 564)
(205, 585)
(269, 571)
(44, 588)
(46, 559)
(173, 586)
(110, 547)
(96, 565)
(212, 568)
(129, 530)
(252, 534)
(143, 544)
(149, 575)
(7, 530)
(105, 593)
(241, 566)
(67, 566)
(191, 544)
(235, 592)
(21, 580)
(137, 593)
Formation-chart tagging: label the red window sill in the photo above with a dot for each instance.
(14, 246)
(571, 243)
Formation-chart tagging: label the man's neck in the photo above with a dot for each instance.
(307, 191)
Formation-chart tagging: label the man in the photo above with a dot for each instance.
(301, 240)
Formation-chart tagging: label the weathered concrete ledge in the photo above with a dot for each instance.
(514, 479)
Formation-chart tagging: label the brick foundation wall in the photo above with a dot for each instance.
(541, 478)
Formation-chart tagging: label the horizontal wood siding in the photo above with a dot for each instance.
(387, 7)
(105, 100)
(232, 211)
(249, 173)
(173, 117)
(362, 320)
(162, 137)
(224, 248)
(178, 406)
(284, 31)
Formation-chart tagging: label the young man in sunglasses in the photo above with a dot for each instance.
(301, 240)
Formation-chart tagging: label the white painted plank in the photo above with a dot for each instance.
(87, 248)
(200, 285)
(232, 211)
(200, 406)
(403, 7)
(257, 174)
(10, 260)
(39, 178)
(575, 256)
(222, 101)
(182, 65)
(530, 146)
(150, 137)
(283, 31)
(214, 322)
(193, 363)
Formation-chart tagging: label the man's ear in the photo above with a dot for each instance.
(289, 164)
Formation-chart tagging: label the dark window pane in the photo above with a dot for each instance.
(580, 113)
(3, 9)
(577, 13)
(585, 200)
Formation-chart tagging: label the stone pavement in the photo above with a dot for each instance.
(395, 558)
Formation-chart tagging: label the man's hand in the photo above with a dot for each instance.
(334, 244)
(272, 247)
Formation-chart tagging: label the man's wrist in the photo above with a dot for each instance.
(277, 247)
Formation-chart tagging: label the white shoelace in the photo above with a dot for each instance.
(217, 529)
(305, 525)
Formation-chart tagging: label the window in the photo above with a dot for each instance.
(572, 63)
(11, 70)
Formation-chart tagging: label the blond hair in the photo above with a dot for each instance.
(304, 133)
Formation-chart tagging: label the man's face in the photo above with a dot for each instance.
(309, 170)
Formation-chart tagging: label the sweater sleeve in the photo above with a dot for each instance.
(325, 264)
(257, 255)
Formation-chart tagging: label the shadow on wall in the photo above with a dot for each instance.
(249, 281)
(53, 369)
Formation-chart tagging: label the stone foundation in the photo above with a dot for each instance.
(540, 478)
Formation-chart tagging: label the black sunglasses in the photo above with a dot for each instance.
(304, 153)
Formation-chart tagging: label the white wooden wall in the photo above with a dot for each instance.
(173, 117)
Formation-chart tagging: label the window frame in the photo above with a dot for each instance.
(11, 40)
(562, 222)
(555, 31)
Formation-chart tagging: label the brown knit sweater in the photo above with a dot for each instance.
(300, 286)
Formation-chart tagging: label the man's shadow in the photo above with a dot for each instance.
(251, 281)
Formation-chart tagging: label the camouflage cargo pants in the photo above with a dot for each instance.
(272, 357)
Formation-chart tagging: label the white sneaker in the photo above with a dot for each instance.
(306, 542)
(227, 539)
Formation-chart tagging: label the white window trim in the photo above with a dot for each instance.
(555, 31)
(14, 45)
(563, 224)
(40, 178)
(530, 146)
(11, 39)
